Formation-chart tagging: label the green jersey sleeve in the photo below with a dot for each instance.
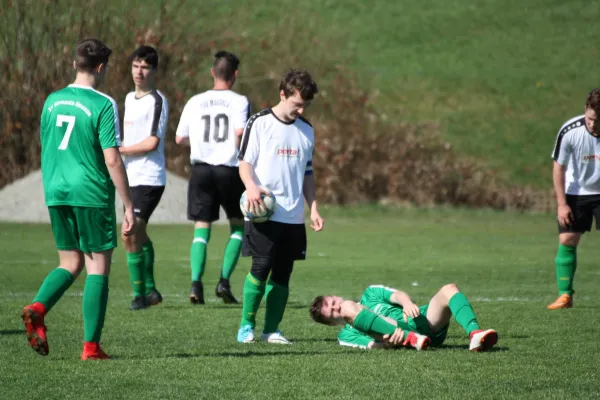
(376, 294)
(109, 129)
(351, 337)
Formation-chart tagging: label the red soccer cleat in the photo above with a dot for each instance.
(483, 340)
(419, 342)
(93, 351)
(33, 319)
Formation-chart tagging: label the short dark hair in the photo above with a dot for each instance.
(315, 310)
(145, 53)
(90, 53)
(593, 100)
(300, 80)
(225, 65)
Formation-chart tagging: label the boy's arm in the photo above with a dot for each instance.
(409, 308)
(145, 146)
(369, 323)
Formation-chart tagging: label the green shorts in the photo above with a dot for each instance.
(88, 229)
(421, 325)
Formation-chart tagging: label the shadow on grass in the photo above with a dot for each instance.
(247, 354)
(316, 340)
(466, 347)
(11, 332)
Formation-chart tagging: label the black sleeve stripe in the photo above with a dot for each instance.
(247, 129)
(571, 124)
(305, 120)
(248, 111)
(158, 108)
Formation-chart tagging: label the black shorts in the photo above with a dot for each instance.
(272, 239)
(213, 186)
(584, 208)
(145, 199)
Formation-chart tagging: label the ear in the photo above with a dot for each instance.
(100, 68)
(74, 65)
(235, 73)
(282, 95)
(212, 73)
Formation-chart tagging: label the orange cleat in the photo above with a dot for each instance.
(93, 351)
(483, 340)
(33, 319)
(563, 301)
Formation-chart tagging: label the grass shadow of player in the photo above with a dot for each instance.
(466, 347)
(11, 332)
(316, 340)
(247, 354)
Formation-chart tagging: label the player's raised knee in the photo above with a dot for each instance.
(450, 289)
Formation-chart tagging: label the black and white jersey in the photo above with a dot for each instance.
(579, 150)
(281, 155)
(209, 119)
(144, 117)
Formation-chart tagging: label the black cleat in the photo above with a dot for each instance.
(197, 293)
(139, 303)
(224, 291)
(153, 298)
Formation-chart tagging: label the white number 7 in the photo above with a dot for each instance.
(70, 120)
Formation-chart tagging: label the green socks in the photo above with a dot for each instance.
(253, 294)
(135, 263)
(370, 323)
(463, 312)
(198, 252)
(148, 250)
(95, 298)
(232, 251)
(54, 286)
(276, 299)
(566, 264)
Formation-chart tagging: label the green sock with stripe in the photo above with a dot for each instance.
(198, 252)
(135, 263)
(232, 251)
(566, 265)
(254, 291)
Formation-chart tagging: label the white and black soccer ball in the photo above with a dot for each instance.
(262, 215)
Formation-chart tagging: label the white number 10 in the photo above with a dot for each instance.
(70, 120)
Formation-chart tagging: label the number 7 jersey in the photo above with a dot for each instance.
(210, 119)
(77, 124)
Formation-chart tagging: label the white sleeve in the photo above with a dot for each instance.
(183, 129)
(249, 147)
(563, 148)
(241, 113)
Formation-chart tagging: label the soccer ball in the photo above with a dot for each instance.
(264, 214)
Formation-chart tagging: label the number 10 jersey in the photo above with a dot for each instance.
(77, 124)
(210, 119)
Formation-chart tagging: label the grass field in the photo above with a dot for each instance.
(503, 263)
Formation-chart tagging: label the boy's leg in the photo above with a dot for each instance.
(198, 260)
(135, 264)
(57, 281)
(566, 265)
(230, 259)
(449, 301)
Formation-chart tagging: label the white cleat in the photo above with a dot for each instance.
(483, 340)
(274, 337)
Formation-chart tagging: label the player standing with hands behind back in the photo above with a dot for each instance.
(81, 166)
(212, 124)
(276, 152)
(576, 177)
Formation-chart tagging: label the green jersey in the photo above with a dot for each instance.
(77, 124)
(376, 298)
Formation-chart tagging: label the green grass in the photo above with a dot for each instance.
(502, 261)
(499, 76)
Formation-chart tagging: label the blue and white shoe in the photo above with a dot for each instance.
(246, 334)
(274, 337)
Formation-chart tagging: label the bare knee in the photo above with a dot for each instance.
(98, 263)
(449, 290)
(569, 239)
(72, 261)
(130, 242)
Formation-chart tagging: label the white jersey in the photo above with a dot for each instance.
(281, 155)
(209, 119)
(579, 150)
(144, 117)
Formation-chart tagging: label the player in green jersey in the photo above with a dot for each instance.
(81, 166)
(387, 317)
